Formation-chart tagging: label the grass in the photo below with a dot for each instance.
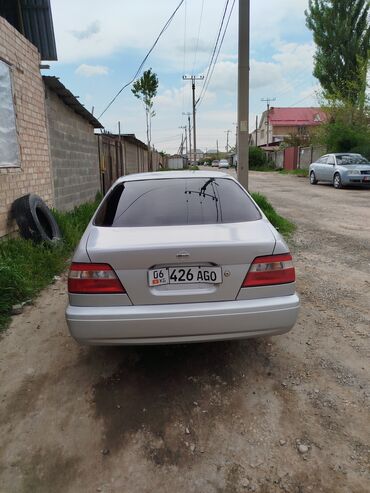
(284, 226)
(264, 169)
(26, 268)
(295, 172)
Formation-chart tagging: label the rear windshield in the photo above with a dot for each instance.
(175, 202)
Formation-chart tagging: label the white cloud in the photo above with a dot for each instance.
(91, 70)
(294, 56)
(87, 33)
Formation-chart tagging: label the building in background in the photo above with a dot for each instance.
(282, 123)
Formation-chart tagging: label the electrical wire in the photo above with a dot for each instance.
(165, 27)
(184, 57)
(197, 43)
(303, 99)
(205, 86)
(215, 47)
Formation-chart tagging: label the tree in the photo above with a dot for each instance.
(146, 89)
(346, 129)
(341, 32)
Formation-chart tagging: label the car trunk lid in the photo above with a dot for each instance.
(133, 251)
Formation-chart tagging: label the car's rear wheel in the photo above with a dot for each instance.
(313, 179)
(337, 181)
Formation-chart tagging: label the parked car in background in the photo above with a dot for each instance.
(224, 163)
(176, 257)
(215, 163)
(341, 169)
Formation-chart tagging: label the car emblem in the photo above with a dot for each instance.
(182, 254)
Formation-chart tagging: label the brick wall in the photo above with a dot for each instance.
(74, 154)
(33, 174)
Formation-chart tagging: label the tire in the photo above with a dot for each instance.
(35, 220)
(337, 181)
(313, 180)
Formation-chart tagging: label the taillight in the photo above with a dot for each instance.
(274, 269)
(93, 279)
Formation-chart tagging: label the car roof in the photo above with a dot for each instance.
(343, 154)
(173, 174)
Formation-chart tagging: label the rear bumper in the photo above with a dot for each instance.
(177, 323)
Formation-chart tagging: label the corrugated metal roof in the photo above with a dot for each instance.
(34, 20)
(296, 116)
(54, 84)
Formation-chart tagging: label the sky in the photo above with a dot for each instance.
(101, 45)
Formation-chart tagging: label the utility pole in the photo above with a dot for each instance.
(189, 125)
(243, 93)
(227, 132)
(256, 130)
(186, 139)
(181, 148)
(193, 78)
(217, 148)
(268, 101)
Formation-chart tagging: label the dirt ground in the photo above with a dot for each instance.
(284, 414)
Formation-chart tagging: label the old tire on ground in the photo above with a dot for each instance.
(35, 220)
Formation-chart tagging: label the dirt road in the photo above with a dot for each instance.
(284, 414)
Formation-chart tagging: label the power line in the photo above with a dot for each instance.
(185, 49)
(215, 46)
(303, 99)
(205, 86)
(197, 44)
(165, 27)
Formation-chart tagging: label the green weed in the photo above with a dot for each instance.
(26, 267)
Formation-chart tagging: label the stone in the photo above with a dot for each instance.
(245, 483)
(105, 451)
(282, 442)
(17, 309)
(302, 448)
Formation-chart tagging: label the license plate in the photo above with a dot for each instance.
(185, 275)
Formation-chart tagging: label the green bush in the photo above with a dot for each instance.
(362, 149)
(257, 158)
(26, 267)
(343, 137)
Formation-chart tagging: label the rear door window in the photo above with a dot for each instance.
(175, 202)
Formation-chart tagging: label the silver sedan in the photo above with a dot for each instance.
(180, 257)
(341, 170)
